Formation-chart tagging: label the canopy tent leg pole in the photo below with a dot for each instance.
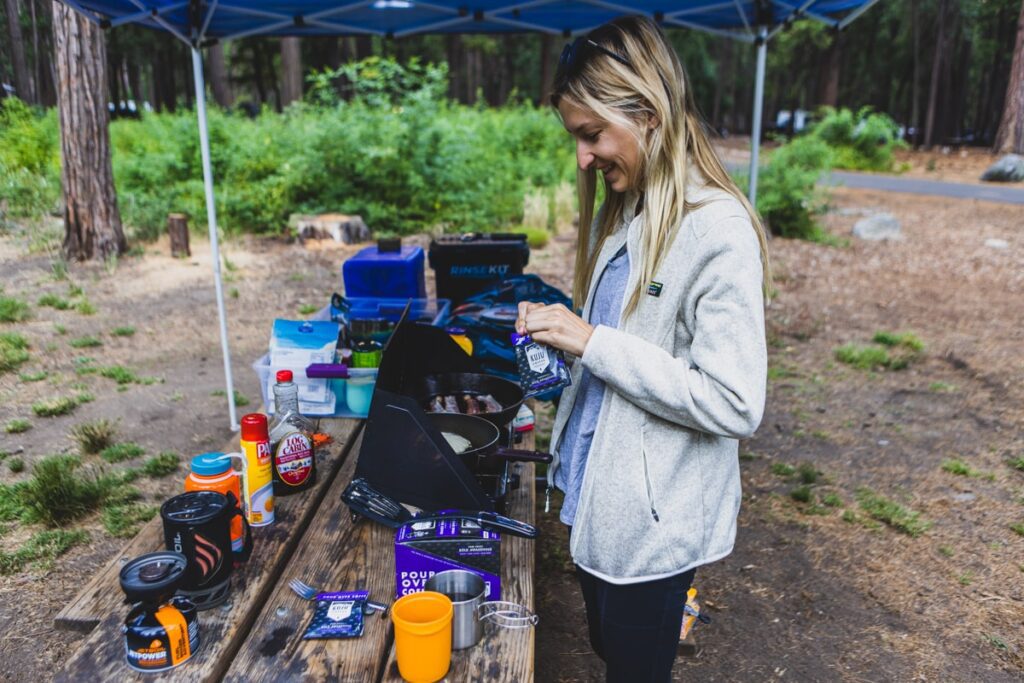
(211, 217)
(755, 135)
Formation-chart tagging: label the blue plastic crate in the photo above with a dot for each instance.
(375, 273)
(432, 311)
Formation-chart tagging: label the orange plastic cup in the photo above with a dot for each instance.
(423, 636)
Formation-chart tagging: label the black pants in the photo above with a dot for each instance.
(634, 627)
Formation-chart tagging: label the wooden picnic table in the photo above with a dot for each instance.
(257, 634)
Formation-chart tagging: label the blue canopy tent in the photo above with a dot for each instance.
(199, 23)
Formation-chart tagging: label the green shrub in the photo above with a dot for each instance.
(537, 238)
(57, 493)
(13, 351)
(863, 357)
(787, 193)
(16, 465)
(29, 159)
(93, 437)
(862, 140)
(13, 310)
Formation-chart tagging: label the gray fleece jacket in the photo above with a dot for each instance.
(685, 378)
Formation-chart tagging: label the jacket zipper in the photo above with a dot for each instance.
(647, 477)
(590, 301)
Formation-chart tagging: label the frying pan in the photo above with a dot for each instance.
(484, 454)
(507, 393)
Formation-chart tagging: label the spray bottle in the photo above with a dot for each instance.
(257, 480)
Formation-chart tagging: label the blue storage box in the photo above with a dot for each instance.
(393, 274)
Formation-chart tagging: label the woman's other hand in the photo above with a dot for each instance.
(555, 325)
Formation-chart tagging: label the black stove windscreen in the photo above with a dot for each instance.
(402, 454)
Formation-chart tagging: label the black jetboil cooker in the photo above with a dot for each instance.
(404, 454)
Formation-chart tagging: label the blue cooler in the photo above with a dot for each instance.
(382, 272)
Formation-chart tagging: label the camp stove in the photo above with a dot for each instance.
(403, 454)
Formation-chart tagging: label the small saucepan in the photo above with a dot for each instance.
(483, 455)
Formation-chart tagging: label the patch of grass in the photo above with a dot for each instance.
(781, 372)
(33, 376)
(17, 426)
(123, 521)
(1017, 528)
(965, 578)
(85, 308)
(892, 513)
(13, 310)
(60, 329)
(84, 397)
(233, 292)
(121, 452)
(782, 469)
(907, 339)
(85, 343)
(93, 437)
(240, 398)
(74, 290)
(946, 551)
(125, 331)
(996, 642)
(54, 406)
(849, 516)
(54, 301)
(808, 473)
(942, 387)
(821, 434)
(959, 467)
(161, 465)
(307, 309)
(119, 374)
(41, 550)
(801, 494)
(831, 500)
(746, 456)
(1017, 463)
(13, 351)
(57, 493)
(863, 357)
(16, 465)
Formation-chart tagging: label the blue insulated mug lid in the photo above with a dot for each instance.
(210, 464)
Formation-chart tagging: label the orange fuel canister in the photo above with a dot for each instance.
(213, 472)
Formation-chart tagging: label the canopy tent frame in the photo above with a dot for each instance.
(761, 26)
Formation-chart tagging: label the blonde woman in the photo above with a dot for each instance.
(671, 360)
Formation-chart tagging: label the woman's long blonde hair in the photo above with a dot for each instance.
(653, 84)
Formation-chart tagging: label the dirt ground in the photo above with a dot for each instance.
(805, 596)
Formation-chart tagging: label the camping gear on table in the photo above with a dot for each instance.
(508, 394)
(423, 636)
(363, 500)
(489, 319)
(467, 592)
(161, 631)
(484, 453)
(404, 453)
(291, 440)
(469, 263)
(213, 472)
(375, 317)
(386, 270)
(295, 345)
(197, 524)
(257, 470)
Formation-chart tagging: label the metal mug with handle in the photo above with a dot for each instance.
(466, 591)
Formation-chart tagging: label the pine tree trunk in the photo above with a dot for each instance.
(92, 224)
(1010, 137)
(291, 71)
(220, 84)
(829, 93)
(933, 91)
(22, 80)
(545, 67)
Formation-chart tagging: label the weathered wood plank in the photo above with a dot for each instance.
(503, 654)
(223, 629)
(335, 555)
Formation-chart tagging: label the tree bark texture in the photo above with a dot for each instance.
(1010, 137)
(829, 90)
(291, 71)
(933, 90)
(92, 223)
(22, 80)
(219, 81)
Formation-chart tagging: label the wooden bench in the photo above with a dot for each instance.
(257, 635)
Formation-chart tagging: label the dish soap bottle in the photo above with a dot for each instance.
(291, 440)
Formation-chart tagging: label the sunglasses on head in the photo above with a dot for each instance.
(576, 53)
